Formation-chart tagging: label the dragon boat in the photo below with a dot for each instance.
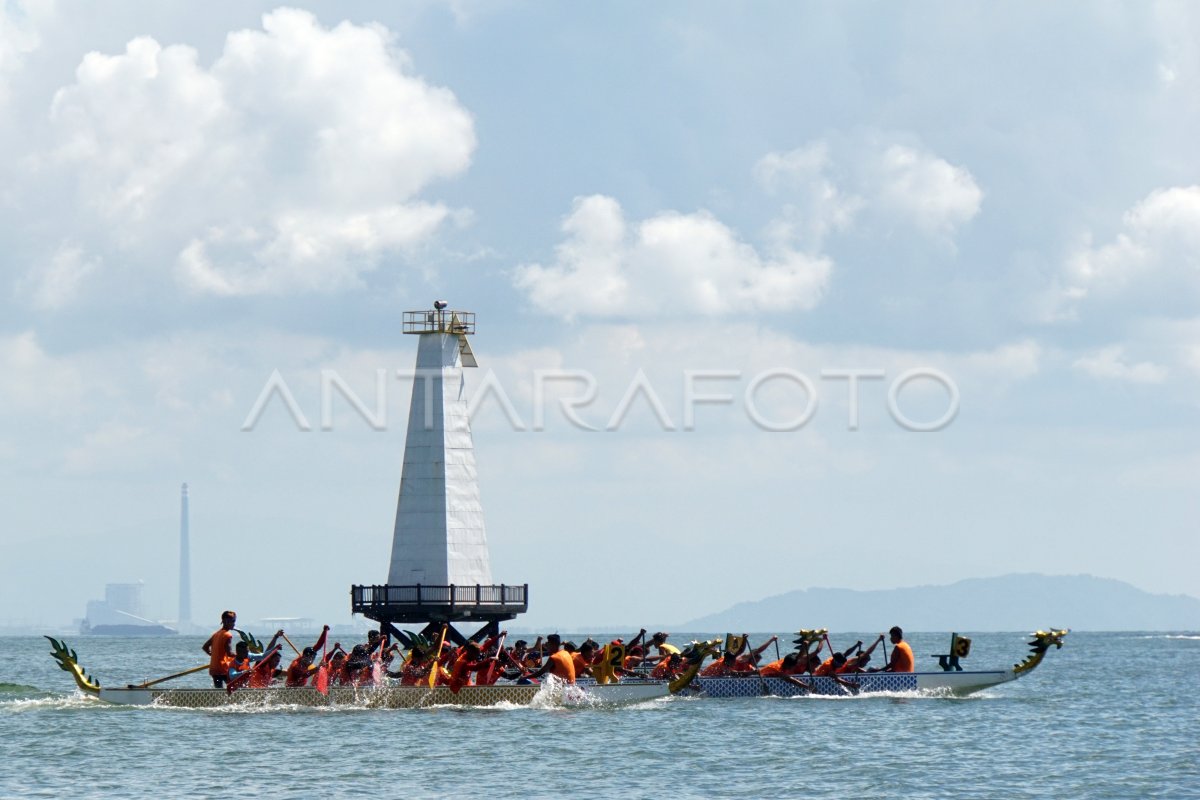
(950, 680)
(550, 693)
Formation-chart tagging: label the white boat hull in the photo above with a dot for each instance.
(393, 696)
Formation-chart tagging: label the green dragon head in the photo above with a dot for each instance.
(68, 661)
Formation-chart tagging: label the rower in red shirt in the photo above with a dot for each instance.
(467, 661)
(301, 668)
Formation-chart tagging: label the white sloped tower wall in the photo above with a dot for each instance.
(439, 537)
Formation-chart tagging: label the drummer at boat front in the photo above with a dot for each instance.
(219, 649)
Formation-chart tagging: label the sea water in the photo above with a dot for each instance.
(1110, 715)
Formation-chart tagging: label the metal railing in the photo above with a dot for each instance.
(501, 597)
(439, 321)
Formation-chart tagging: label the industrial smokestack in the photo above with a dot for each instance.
(185, 565)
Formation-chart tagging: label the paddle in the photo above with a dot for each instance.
(295, 649)
(436, 656)
(762, 680)
(169, 677)
(321, 681)
(490, 676)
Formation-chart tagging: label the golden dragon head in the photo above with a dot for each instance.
(1038, 645)
(69, 662)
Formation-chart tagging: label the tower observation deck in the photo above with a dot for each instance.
(440, 570)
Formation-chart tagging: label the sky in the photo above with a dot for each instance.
(704, 215)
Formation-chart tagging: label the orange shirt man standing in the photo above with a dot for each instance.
(219, 649)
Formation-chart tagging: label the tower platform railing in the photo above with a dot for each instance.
(424, 602)
(440, 320)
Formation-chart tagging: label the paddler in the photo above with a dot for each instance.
(669, 667)
(262, 672)
(558, 661)
(468, 661)
(902, 655)
(749, 662)
(785, 668)
(584, 658)
(721, 667)
(301, 668)
(831, 667)
(659, 641)
(219, 649)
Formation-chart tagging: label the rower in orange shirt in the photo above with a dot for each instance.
(558, 661)
(902, 655)
(747, 663)
(219, 649)
(583, 659)
(721, 667)
(786, 668)
(668, 667)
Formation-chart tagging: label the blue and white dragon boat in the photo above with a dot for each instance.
(951, 680)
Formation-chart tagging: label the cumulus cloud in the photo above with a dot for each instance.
(929, 192)
(668, 264)
(903, 183)
(293, 162)
(1109, 363)
(1153, 261)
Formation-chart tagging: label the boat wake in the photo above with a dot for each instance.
(16, 699)
(917, 694)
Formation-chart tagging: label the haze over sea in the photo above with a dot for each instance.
(1110, 715)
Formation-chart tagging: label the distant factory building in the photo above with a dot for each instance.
(120, 613)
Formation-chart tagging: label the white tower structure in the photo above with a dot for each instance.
(439, 536)
(440, 572)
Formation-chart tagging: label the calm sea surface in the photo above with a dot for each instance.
(1109, 715)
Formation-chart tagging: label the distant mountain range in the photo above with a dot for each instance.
(1007, 603)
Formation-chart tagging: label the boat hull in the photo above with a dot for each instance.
(391, 696)
(935, 683)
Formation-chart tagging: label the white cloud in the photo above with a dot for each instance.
(903, 184)
(293, 163)
(931, 193)
(1109, 363)
(1155, 255)
(669, 264)
(57, 282)
(816, 205)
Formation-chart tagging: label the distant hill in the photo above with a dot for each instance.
(1006, 603)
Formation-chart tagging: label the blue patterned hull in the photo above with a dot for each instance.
(950, 683)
